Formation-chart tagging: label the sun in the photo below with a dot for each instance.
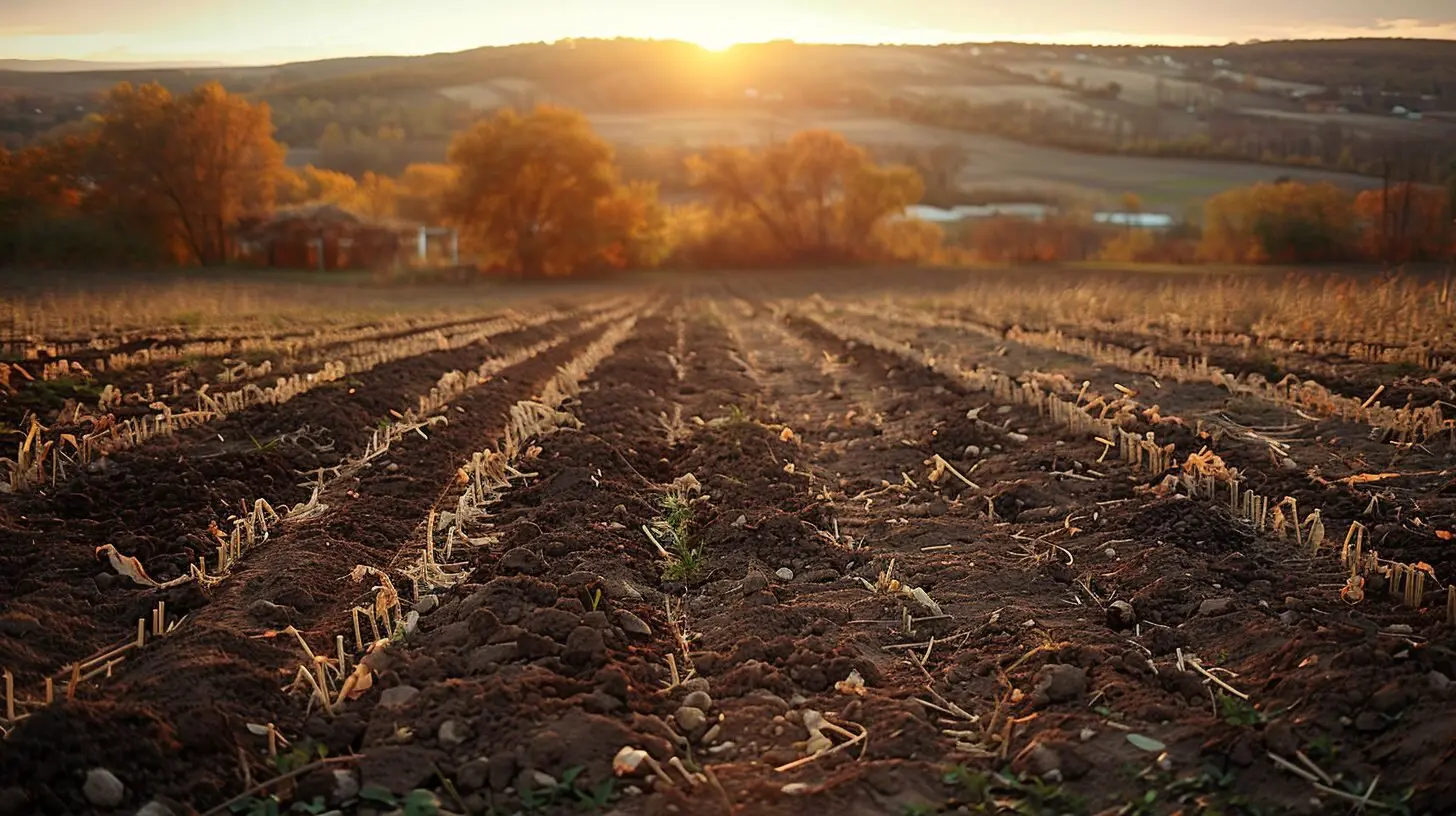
(715, 43)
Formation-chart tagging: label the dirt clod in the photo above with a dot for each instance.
(1059, 683)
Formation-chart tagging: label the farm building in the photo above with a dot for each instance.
(325, 237)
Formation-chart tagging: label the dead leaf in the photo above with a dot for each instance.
(127, 566)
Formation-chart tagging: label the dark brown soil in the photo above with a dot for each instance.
(1055, 676)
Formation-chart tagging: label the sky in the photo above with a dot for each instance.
(269, 31)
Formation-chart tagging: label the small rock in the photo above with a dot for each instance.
(754, 582)
(784, 574)
(696, 684)
(691, 720)
(633, 625)
(346, 786)
(1289, 617)
(699, 700)
(1059, 682)
(1369, 722)
(428, 604)
(972, 452)
(1120, 615)
(796, 789)
(1400, 629)
(452, 733)
(1110, 552)
(1438, 681)
(398, 696)
(103, 789)
(473, 775)
(741, 521)
(502, 768)
(1043, 762)
(522, 560)
(152, 808)
(1215, 606)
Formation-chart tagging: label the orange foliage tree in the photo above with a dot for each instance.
(814, 199)
(1408, 222)
(190, 165)
(1286, 222)
(538, 194)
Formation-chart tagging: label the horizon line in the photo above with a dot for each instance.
(243, 62)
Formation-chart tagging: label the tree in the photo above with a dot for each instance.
(538, 193)
(422, 190)
(190, 165)
(1409, 222)
(1286, 222)
(817, 197)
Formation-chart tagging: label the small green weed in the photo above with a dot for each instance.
(1239, 712)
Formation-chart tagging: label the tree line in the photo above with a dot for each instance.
(156, 178)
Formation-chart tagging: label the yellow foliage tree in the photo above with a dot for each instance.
(538, 193)
(817, 197)
(1286, 222)
(197, 162)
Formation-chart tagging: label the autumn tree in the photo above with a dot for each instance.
(816, 197)
(538, 193)
(193, 165)
(1287, 222)
(1407, 222)
(313, 185)
(422, 190)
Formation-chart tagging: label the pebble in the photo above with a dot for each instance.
(972, 451)
(1215, 606)
(522, 560)
(633, 625)
(427, 604)
(1289, 617)
(696, 684)
(755, 581)
(473, 775)
(784, 574)
(103, 789)
(398, 696)
(690, 719)
(346, 786)
(1438, 681)
(1110, 552)
(741, 521)
(1121, 615)
(155, 808)
(796, 788)
(452, 733)
(699, 700)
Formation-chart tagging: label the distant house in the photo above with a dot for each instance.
(323, 237)
(1141, 220)
(965, 212)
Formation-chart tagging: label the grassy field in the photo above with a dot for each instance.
(1166, 184)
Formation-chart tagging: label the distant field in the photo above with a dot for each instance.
(1168, 185)
(1045, 96)
(1138, 86)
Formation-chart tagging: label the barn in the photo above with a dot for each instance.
(324, 237)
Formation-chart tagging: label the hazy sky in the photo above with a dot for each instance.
(279, 30)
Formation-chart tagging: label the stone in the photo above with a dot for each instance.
(1438, 682)
(398, 696)
(1044, 762)
(1369, 722)
(522, 560)
(1389, 698)
(784, 574)
(585, 647)
(633, 625)
(1215, 606)
(502, 771)
(473, 775)
(754, 582)
(1289, 617)
(452, 733)
(345, 788)
(271, 614)
(691, 720)
(1121, 615)
(1058, 683)
(699, 700)
(103, 789)
(154, 808)
(428, 604)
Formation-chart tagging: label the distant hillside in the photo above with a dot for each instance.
(62, 66)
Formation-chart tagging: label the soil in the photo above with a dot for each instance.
(1084, 643)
